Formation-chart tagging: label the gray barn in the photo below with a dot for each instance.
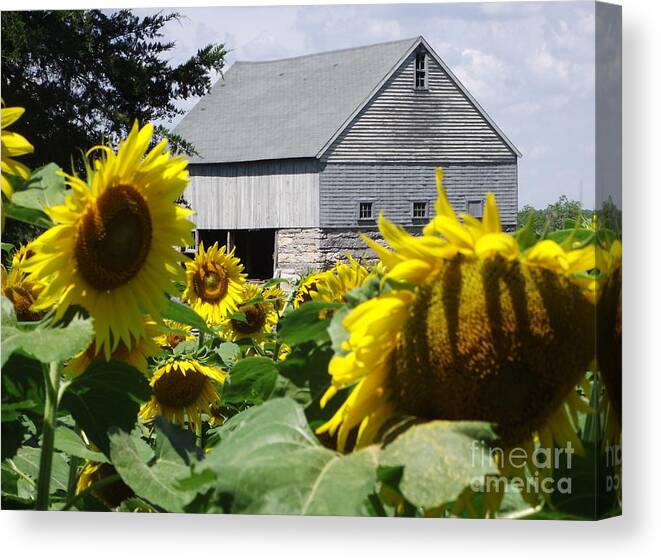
(298, 155)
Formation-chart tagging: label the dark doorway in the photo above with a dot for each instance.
(255, 248)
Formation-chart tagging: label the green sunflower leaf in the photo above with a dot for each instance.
(156, 481)
(229, 353)
(526, 236)
(26, 465)
(269, 462)
(304, 324)
(26, 215)
(180, 313)
(69, 442)
(43, 342)
(304, 373)
(251, 380)
(44, 189)
(108, 394)
(440, 459)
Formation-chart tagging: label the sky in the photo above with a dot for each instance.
(530, 65)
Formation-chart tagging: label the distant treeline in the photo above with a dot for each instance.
(563, 214)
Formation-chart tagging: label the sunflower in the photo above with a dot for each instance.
(183, 389)
(175, 333)
(474, 329)
(306, 289)
(214, 283)
(333, 285)
(13, 144)
(277, 297)
(112, 250)
(136, 355)
(257, 316)
(111, 495)
(21, 288)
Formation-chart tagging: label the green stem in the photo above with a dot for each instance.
(74, 463)
(201, 340)
(276, 350)
(52, 382)
(72, 480)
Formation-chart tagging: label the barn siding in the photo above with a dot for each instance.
(394, 187)
(265, 194)
(401, 123)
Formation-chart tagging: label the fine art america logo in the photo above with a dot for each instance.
(542, 462)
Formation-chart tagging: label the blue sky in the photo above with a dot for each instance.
(530, 65)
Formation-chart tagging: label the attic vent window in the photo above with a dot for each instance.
(420, 70)
(365, 211)
(475, 208)
(419, 210)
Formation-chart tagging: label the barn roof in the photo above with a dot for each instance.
(291, 108)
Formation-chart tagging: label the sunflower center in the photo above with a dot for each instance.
(114, 238)
(113, 494)
(211, 283)
(255, 319)
(176, 390)
(173, 338)
(23, 300)
(496, 341)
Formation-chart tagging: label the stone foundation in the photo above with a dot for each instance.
(297, 251)
(300, 250)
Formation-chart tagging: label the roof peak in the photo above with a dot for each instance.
(333, 51)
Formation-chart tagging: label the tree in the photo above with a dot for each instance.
(85, 76)
(554, 217)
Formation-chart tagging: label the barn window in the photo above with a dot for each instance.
(474, 207)
(421, 70)
(419, 209)
(365, 211)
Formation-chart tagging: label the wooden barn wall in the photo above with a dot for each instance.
(252, 195)
(401, 123)
(394, 187)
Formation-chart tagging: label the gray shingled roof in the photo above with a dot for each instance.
(286, 108)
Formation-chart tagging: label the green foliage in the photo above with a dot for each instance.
(44, 188)
(229, 353)
(554, 217)
(305, 323)
(269, 461)
(23, 469)
(176, 311)
(155, 480)
(41, 341)
(251, 380)
(121, 73)
(439, 460)
(303, 376)
(107, 395)
(22, 388)
(69, 442)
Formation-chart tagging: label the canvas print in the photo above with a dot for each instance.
(313, 260)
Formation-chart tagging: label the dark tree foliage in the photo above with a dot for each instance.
(85, 76)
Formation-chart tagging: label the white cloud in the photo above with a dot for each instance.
(548, 67)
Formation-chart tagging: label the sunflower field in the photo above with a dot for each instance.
(463, 372)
